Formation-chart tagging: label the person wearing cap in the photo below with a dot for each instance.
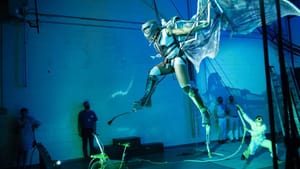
(258, 137)
(87, 126)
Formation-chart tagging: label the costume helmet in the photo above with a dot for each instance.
(258, 119)
(150, 30)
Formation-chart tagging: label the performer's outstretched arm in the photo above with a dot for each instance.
(245, 116)
(197, 25)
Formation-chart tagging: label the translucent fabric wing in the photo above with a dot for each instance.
(243, 16)
(203, 43)
(239, 17)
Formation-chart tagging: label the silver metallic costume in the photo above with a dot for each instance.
(174, 61)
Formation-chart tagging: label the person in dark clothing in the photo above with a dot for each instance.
(87, 126)
(26, 126)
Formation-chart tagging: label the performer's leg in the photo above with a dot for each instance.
(230, 131)
(152, 80)
(149, 89)
(236, 128)
(223, 124)
(218, 130)
(181, 71)
(250, 150)
(268, 144)
(182, 75)
(25, 154)
(246, 154)
(91, 142)
(207, 138)
(85, 143)
(19, 157)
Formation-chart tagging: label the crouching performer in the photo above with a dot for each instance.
(257, 132)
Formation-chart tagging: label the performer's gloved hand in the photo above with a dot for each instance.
(239, 108)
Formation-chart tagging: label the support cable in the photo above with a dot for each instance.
(292, 155)
(290, 47)
(181, 16)
(158, 17)
(268, 81)
(1, 69)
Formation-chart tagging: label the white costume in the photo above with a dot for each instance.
(233, 120)
(221, 122)
(258, 138)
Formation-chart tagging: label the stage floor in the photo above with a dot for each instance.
(195, 157)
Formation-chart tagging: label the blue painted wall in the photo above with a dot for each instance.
(71, 60)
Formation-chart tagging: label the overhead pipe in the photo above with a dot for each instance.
(30, 21)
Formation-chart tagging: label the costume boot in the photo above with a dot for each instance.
(195, 96)
(246, 154)
(145, 101)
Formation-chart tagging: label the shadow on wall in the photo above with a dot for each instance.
(251, 102)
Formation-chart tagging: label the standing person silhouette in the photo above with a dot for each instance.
(26, 126)
(221, 121)
(233, 119)
(87, 126)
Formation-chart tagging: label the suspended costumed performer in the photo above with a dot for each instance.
(180, 41)
(168, 46)
(169, 41)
